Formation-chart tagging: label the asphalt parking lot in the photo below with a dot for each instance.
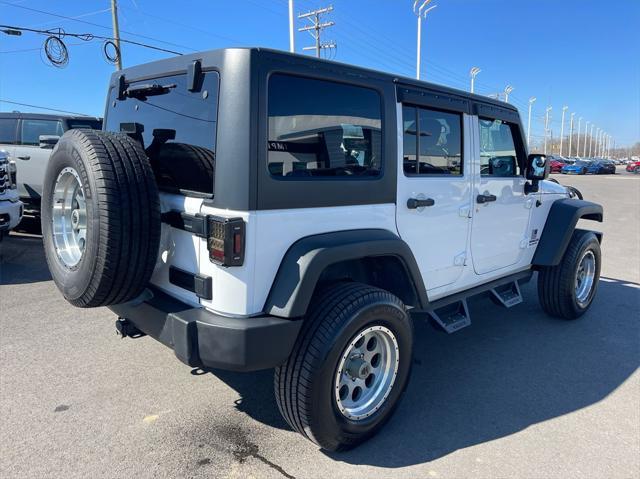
(517, 394)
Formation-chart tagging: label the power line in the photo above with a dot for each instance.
(97, 25)
(42, 107)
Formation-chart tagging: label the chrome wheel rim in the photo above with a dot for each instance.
(585, 276)
(69, 217)
(366, 372)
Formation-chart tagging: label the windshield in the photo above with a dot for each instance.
(177, 128)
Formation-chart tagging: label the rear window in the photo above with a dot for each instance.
(176, 127)
(323, 129)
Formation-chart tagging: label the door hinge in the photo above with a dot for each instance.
(460, 260)
(195, 224)
(529, 203)
(464, 212)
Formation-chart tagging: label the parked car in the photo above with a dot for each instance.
(580, 167)
(601, 167)
(28, 138)
(556, 164)
(302, 247)
(632, 165)
(10, 204)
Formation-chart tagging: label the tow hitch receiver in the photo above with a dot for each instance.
(126, 329)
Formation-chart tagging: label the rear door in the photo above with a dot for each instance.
(434, 191)
(177, 127)
(501, 210)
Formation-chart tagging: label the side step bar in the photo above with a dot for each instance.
(451, 313)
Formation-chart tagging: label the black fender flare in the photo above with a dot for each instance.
(559, 227)
(307, 258)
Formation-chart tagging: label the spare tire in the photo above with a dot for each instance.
(100, 218)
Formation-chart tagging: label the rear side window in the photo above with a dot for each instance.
(432, 142)
(32, 129)
(176, 127)
(8, 127)
(323, 129)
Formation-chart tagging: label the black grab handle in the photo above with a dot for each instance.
(413, 203)
(486, 198)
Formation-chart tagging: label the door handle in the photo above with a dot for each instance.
(413, 203)
(486, 198)
(24, 157)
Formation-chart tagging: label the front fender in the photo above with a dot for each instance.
(559, 227)
(308, 257)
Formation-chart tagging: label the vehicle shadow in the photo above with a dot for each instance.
(22, 260)
(508, 371)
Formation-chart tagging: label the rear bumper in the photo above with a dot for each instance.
(200, 338)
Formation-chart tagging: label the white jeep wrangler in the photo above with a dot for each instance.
(255, 209)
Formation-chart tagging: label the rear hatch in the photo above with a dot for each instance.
(175, 119)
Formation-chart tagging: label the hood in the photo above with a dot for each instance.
(550, 187)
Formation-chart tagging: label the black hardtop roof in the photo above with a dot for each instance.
(213, 57)
(46, 116)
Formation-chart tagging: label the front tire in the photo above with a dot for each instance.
(349, 367)
(567, 289)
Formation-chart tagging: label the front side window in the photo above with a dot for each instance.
(432, 142)
(499, 155)
(323, 129)
(32, 129)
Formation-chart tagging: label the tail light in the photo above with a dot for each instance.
(226, 240)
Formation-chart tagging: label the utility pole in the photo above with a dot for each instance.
(586, 129)
(474, 71)
(316, 27)
(531, 101)
(571, 132)
(578, 142)
(420, 14)
(116, 32)
(292, 45)
(508, 89)
(564, 110)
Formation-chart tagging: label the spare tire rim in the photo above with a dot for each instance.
(585, 276)
(366, 372)
(69, 217)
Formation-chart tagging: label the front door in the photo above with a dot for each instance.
(30, 158)
(501, 209)
(434, 191)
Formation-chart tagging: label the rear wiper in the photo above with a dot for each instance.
(141, 92)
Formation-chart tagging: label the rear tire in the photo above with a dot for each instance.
(101, 183)
(309, 385)
(567, 289)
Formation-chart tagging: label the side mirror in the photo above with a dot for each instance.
(537, 167)
(48, 141)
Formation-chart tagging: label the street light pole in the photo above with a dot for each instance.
(546, 127)
(420, 14)
(578, 139)
(474, 71)
(531, 101)
(586, 129)
(292, 46)
(508, 89)
(571, 132)
(591, 139)
(564, 110)
(116, 33)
